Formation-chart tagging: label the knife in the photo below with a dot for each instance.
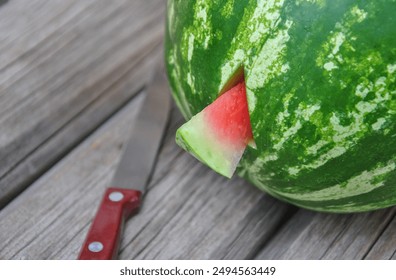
(124, 196)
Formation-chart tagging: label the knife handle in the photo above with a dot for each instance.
(104, 236)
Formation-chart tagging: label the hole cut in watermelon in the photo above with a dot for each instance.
(219, 134)
(236, 78)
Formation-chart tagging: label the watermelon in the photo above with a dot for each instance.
(320, 79)
(219, 134)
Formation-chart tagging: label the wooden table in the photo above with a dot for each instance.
(72, 75)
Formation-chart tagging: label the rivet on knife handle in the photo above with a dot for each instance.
(104, 236)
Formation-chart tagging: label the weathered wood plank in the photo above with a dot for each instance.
(310, 235)
(54, 209)
(208, 218)
(189, 212)
(66, 66)
(385, 246)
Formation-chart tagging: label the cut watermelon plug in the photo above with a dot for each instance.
(219, 134)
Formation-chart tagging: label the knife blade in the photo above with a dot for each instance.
(133, 172)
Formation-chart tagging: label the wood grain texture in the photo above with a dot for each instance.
(66, 70)
(385, 246)
(54, 210)
(65, 67)
(310, 235)
(189, 211)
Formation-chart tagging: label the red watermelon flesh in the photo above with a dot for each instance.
(218, 135)
(228, 117)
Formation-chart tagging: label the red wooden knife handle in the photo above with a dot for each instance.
(104, 236)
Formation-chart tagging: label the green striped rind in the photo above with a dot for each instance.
(321, 85)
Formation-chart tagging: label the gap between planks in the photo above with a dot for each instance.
(189, 211)
(35, 150)
(313, 235)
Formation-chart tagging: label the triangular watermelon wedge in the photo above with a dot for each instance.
(219, 134)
